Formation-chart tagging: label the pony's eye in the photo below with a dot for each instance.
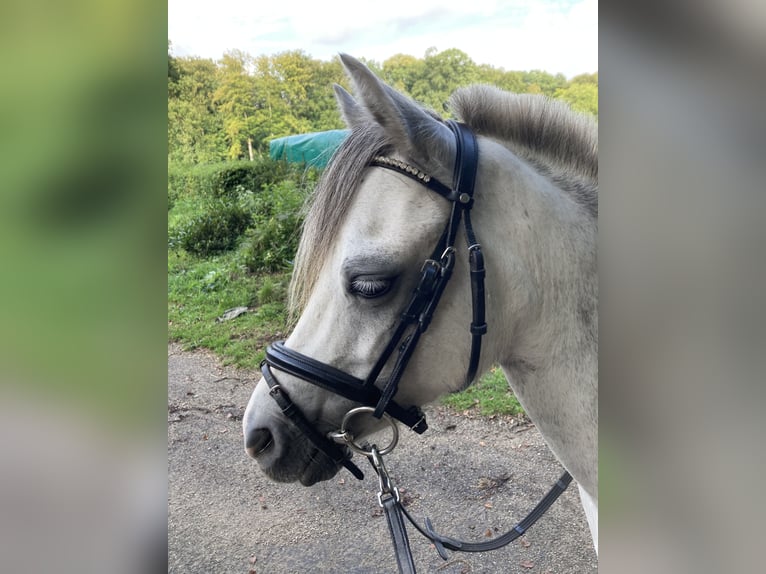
(370, 288)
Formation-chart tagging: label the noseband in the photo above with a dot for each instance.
(415, 319)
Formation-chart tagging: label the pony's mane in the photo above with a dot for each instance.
(546, 129)
(555, 140)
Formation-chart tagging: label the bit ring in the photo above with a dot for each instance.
(344, 436)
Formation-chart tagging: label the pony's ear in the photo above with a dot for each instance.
(353, 114)
(410, 128)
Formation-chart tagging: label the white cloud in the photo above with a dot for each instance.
(553, 35)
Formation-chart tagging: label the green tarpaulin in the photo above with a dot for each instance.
(313, 149)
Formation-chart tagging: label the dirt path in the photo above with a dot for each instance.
(469, 475)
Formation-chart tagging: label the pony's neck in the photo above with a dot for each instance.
(545, 272)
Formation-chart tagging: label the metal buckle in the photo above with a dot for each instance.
(384, 481)
(447, 260)
(428, 263)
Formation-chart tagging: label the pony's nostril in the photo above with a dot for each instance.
(258, 442)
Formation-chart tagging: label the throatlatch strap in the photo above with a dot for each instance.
(466, 165)
(478, 323)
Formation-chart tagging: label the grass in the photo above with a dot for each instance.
(491, 395)
(200, 290)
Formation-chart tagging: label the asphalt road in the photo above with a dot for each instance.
(470, 475)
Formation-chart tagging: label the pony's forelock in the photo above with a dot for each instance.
(329, 205)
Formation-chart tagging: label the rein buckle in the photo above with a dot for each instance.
(386, 487)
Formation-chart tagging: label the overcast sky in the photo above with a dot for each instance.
(551, 35)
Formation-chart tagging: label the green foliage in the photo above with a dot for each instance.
(441, 74)
(271, 242)
(271, 291)
(204, 280)
(201, 289)
(254, 176)
(232, 108)
(190, 181)
(227, 179)
(539, 82)
(491, 395)
(195, 125)
(402, 71)
(581, 93)
(212, 231)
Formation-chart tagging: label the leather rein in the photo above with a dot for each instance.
(414, 321)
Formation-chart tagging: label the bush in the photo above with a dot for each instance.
(191, 181)
(249, 175)
(224, 180)
(277, 218)
(213, 231)
(264, 195)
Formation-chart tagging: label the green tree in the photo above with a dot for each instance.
(581, 93)
(508, 81)
(539, 82)
(235, 99)
(320, 107)
(174, 73)
(194, 125)
(441, 74)
(402, 71)
(232, 108)
(277, 88)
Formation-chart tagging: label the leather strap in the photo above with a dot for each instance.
(441, 542)
(466, 161)
(478, 297)
(334, 380)
(434, 278)
(431, 183)
(464, 176)
(398, 531)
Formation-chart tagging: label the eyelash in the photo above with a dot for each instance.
(370, 288)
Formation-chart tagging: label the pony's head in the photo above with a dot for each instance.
(364, 241)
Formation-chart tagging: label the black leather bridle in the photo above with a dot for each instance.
(414, 321)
